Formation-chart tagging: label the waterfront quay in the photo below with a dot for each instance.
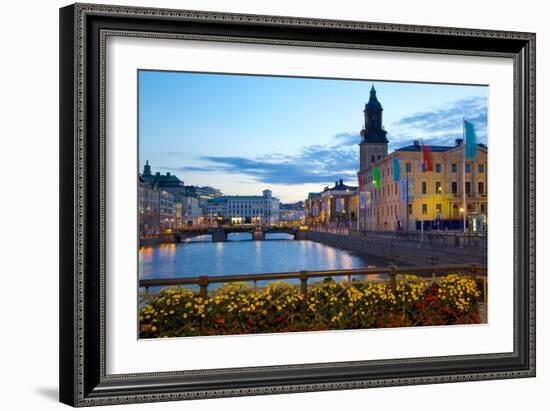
(409, 248)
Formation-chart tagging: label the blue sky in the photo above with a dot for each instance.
(243, 134)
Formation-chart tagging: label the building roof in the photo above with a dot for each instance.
(223, 199)
(340, 186)
(435, 149)
(373, 100)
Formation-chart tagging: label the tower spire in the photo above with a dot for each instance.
(146, 168)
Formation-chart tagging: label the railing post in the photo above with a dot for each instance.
(393, 273)
(147, 294)
(473, 272)
(203, 284)
(485, 299)
(303, 283)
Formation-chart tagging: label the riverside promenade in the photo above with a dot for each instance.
(411, 248)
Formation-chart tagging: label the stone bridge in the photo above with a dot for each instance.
(221, 233)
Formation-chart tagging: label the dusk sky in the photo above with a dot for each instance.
(243, 134)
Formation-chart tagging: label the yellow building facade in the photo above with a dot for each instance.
(454, 192)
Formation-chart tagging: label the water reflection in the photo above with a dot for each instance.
(245, 257)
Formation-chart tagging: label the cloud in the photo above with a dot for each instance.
(318, 164)
(442, 126)
(324, 164)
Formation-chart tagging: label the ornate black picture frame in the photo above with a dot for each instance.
(83, 30)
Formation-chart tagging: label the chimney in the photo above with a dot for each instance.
(336, 183)
(416, 142)
(458, 142)
(341, 182)
(168, 174)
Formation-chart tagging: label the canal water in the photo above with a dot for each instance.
(239, 255)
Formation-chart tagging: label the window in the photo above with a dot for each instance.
(480, 187)
(453, 167)
(424, 187)
(480, 168)
(482, 208)
(468, 187)
(454, 187)
(424, 208)
(372, 158)
(408, 167)
(437, 167)
(438, 188)
(379, 156)
(438, 208)
(468, 166)
(410, 209)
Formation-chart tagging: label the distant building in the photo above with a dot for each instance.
(262, 209)
(192, 212)
(156, 209)
(419, 200)
(189, 202)
(293, 213)
(313, 209)
(203, 194)
(336, 203)
(333, 205)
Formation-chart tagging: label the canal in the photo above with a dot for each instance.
(239, 255)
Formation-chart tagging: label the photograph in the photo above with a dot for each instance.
(277, 204)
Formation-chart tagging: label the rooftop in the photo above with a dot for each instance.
(340, 186)
(416, 146)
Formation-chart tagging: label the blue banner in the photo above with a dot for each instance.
(396, 170)
(471, 143)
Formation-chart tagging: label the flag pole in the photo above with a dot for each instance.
(407, 196)
(463, 177)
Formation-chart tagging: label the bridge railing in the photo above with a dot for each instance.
(432, 272)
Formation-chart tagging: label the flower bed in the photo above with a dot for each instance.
(281, 307)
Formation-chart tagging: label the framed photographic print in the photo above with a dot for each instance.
(261, 204)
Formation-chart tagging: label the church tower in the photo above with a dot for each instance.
(147, 169)
(374, 144)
